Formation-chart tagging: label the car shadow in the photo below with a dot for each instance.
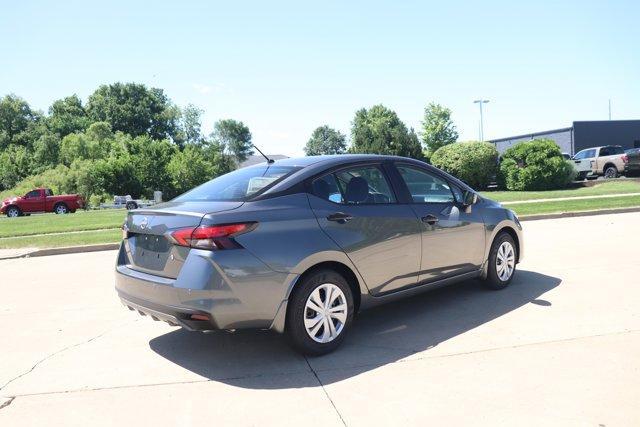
(262, 360)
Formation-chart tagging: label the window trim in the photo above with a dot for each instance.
(332, 171)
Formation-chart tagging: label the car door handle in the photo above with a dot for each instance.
(429, 219)
(339, 217)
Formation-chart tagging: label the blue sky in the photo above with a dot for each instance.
(285, 68)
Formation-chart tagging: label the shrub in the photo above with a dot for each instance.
(535, 165)
(472, 162)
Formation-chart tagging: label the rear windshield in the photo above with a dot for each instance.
(238, 185)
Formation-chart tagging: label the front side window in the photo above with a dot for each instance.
(33, 194)
(426, 187)
(358, 185)
(238, 185)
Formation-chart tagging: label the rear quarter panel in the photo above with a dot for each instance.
(288, 238)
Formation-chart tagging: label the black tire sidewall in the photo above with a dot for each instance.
(295, 330)
(493, 281)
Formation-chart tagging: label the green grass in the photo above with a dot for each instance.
(616, 187)
(59, 240)
(51, 223)
(574, 205)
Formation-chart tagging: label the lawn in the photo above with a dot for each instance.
(574, 205)
(613, 187)
(51, 223)
(59, 240)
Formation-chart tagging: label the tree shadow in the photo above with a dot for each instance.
(262, 360)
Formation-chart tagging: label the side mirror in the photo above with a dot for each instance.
(469, 198)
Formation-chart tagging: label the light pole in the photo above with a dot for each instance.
(480, 102)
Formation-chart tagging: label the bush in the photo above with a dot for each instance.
(535, 165)
(472, 162)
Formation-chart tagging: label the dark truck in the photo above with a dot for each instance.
(633, 162)
(41, 200)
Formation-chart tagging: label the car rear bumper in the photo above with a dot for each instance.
(232, 289)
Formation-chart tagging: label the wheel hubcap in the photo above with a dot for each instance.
(505, 261)
(325, 313)
(13, 213)
(60, 210)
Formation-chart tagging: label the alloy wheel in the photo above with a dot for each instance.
(13, 213)
(505, 261)
(325, 313)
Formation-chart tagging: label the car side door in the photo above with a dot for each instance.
(33, 201)
(453, 235)
(358, 209)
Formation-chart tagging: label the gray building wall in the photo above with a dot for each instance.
(562, 137)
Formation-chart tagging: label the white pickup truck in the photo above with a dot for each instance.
(582, 166)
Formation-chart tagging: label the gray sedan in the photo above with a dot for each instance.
(299, 246)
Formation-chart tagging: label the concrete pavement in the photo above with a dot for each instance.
(561, 346)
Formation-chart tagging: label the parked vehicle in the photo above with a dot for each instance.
(127, 202)
(299, 246)
(41, 200)
(633, 161)
(608, 161)
(581, 166)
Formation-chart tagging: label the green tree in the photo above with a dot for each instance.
(150, 159)
(191, 124)
(135, 109)
(378, 130)
(189, 168)
(17, 120)
(325, 140)
(438, 129)
(67, 116)
(15, 164)
(46, 152)
(235, 137)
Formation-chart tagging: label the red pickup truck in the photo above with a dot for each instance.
(41, 200)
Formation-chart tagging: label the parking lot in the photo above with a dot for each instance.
(560, 346)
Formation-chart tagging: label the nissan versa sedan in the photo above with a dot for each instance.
(299, 246)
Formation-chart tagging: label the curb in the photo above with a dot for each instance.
(66, 250)
(578, 214)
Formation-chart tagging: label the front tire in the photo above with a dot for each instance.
(502, 262)
(13, 212)
(319, 313)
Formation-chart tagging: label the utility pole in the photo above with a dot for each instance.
(609, 108)
(480, 102)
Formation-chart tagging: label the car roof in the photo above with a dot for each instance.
(330, 160)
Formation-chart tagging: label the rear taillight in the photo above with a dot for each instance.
(625, 158)
(212, 236)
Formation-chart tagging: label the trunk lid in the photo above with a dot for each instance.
(149, 250)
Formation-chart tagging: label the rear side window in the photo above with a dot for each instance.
(426, 187)
(358, 185)
(238, 185)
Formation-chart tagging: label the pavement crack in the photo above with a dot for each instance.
(8, 401)
(55, 353)
(325, 391)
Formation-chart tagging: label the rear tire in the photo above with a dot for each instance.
(320, 330)
(611, 172)
(131, 206)
(502, 262)
(61, 209)
(13, 212)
